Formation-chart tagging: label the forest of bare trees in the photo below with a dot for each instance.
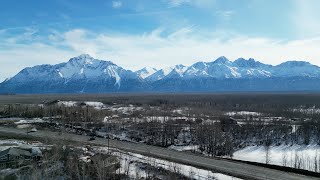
(203, 121)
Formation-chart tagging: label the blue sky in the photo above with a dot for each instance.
(157, 33)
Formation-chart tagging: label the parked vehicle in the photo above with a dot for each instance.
(92, 138)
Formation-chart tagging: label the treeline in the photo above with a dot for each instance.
(242, 100)
(61, 113)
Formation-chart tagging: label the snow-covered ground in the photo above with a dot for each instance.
(115, 118)
(30, 121)
(184, 148)
(125, 109)
(94, 104)
(97, 105)
(130, 163)
(7, 143)
(35, 145)
(67, 103)
(296, 156)
(311, 110)
(242, 113)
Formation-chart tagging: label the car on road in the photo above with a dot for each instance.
(91, 139)
(32, 130)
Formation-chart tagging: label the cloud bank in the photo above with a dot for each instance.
(158, 48)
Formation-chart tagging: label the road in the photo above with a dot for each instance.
(236, 169)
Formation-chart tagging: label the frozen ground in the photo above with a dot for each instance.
(67, 103)
(124, 109)
(8, 143)
(97, 105)
(184, 148)
(94, 104)
(130, 163)
(302, 157)
(30, 121)
(311, 110)
(242, 113)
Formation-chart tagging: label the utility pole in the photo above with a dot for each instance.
(108, 134)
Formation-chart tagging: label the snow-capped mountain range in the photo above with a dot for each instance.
(89, 75)
(146, 72)
(222, 68)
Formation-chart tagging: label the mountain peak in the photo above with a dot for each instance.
(84, 56)
(83, 59)
(149, 69)
(179, 66)
(241, 62)
(221, 60)
(87, 60)
(146, 72)
(295, 63)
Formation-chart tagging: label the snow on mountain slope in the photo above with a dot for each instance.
(81, 67)
(252, 69)
(78, 73)
(223, 68)
(112, 71)
(250, 63)
(180, 69)
(84, 66)
(87, 74)
(44, 72)
(146, 72)
(296, 69)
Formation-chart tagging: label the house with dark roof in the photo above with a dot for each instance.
(17, 156)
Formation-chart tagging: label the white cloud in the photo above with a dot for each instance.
(225, 14)
(185, 46)
(29, 34)
(79, 41)
(156, 49)
(17, 57)
(116, 4)
(197, 3)
(176, 3)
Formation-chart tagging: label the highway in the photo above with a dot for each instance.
(232, 168)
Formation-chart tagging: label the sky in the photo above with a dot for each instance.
(156, 33)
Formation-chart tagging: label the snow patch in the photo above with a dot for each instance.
(189, 171)
(242, 113)
(94, 104)
(81, 71)
(112, 71)
(283, 155)
(234, 72)
(184, 148)
(30, 121)
(67, 103)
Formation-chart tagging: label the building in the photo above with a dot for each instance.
(18, 156)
